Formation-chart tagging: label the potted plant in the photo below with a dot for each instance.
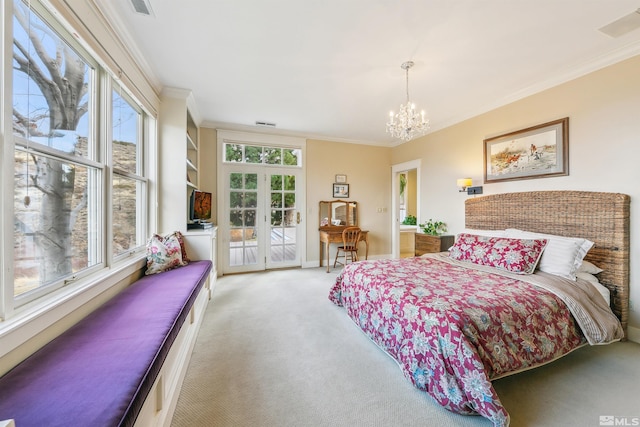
(433, 228)
(410, 220)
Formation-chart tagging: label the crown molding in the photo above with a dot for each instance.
(570, 73)
(288, 133)
(119, 30)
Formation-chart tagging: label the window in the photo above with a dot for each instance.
(60, 164)
(128, 182)
(241, 153)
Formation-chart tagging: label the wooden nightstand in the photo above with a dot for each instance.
(426, 243)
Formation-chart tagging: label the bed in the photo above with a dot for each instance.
(453, 326)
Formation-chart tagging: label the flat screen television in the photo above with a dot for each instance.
(200, 206)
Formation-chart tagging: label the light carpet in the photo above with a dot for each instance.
(274, 351)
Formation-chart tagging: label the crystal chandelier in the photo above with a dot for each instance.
(407, 124)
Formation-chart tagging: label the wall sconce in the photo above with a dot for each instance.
(463, 183)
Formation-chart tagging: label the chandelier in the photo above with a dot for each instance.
(407, 124)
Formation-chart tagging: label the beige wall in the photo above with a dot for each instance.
(604, 145)
(368, 171)
(209, 164)
(412, 192)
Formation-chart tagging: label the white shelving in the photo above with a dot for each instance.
(192, 141)
(179, 139)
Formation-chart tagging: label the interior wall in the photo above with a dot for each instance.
(368, 171)
(412, 192)
(209, 165)
(604, 135)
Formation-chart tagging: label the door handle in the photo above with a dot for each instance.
(298, 217)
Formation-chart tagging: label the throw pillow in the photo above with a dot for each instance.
(563, 255)
(518, 256)
(163, 253)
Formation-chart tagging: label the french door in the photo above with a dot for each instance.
(262, 209)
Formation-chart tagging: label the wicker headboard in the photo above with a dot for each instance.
(600, 217)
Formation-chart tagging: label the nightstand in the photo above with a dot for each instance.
(426, 243)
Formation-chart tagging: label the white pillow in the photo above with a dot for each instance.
(604, 291)
(487, 233)
(587, 267)
(562, 256)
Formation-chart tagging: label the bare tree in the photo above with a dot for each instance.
(60, 76)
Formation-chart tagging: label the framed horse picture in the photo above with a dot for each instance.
(536, 152)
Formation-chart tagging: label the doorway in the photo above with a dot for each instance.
(261, 201)
(262, 216)
(405, 199)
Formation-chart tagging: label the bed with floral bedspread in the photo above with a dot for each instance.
(453, 327)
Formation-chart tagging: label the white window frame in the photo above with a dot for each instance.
(35, 314)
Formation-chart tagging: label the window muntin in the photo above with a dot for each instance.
(126, 123)
(126, 213)
(60, 166)
(265, 155)
(243, 209)
(56, 227)
(52, 86)
(128, 184)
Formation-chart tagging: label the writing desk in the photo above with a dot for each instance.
(333, 234)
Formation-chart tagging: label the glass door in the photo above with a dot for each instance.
(244, 252)
(263, 219)
(285, 218)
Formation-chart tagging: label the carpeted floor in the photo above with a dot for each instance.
(274, 351)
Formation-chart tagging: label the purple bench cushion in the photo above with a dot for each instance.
(100, 371)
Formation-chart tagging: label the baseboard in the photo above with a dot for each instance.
(633, 334)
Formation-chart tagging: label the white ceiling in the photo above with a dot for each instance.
(331, 68)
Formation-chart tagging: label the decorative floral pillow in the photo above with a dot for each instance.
(164, 253)
(180, 238)
(518, 256)
(563, 255)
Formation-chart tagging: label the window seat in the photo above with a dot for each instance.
(109, 368)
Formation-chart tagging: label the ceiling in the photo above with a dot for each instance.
(330, 69)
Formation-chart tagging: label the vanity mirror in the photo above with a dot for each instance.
(335, 216)
(338, 213)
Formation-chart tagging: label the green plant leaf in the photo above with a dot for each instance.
(434, 228)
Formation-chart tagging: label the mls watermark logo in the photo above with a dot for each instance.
(612, 420)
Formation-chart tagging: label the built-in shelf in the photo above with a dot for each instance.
(190, 144)
(179, 142)
(192, 156)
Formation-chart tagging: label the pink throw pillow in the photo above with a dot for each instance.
(518, 256)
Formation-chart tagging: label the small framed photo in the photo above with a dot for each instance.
(341, 190)
(341, 179)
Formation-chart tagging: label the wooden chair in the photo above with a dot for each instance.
(350, 239)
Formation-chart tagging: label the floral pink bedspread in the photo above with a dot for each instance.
(452, 329)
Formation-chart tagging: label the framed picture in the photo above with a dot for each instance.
(537, 152)
(341, 179)
(341, 190)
